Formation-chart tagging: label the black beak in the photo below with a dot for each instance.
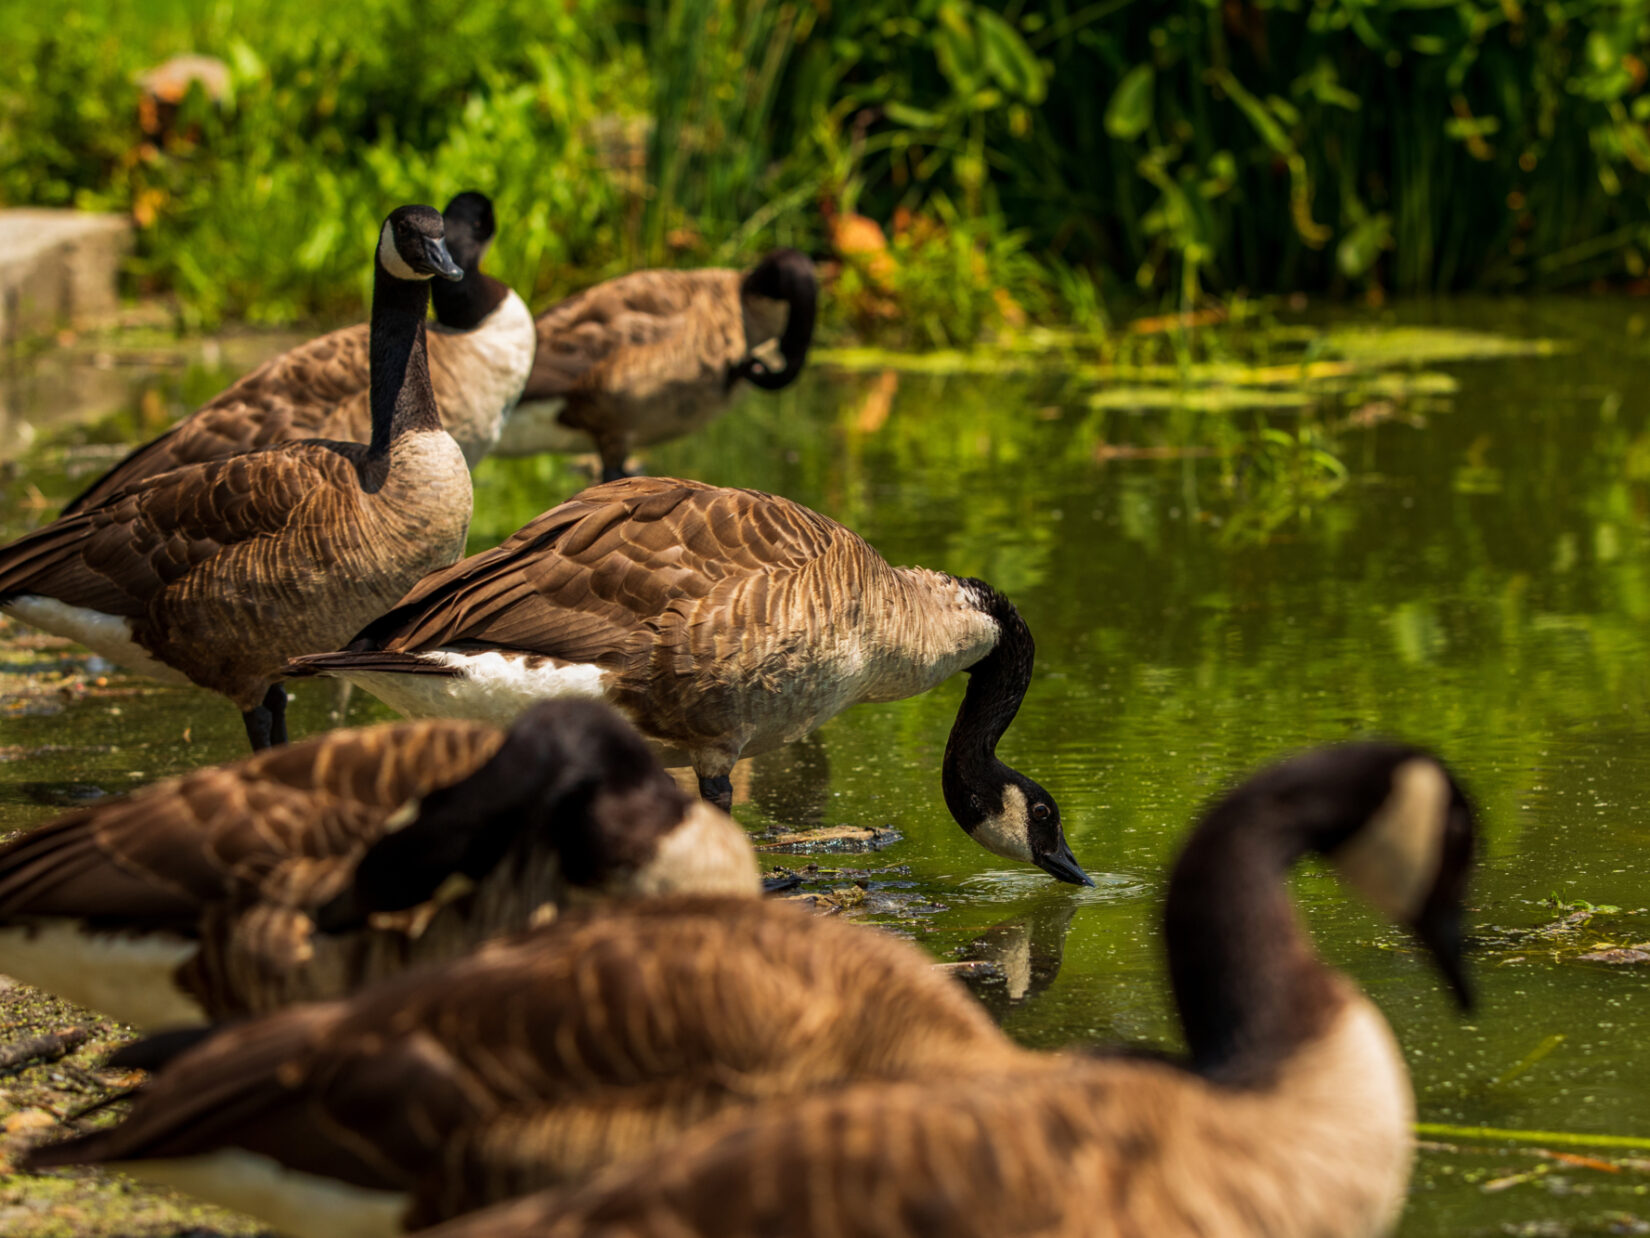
(441, 262)
(1062, 866)
(1440, 931)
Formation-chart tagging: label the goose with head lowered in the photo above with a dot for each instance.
(480, 351)
(723, 623)
(533, 1062)
(217, 573)
(653, 355)
(743, 1076)
(314, 869)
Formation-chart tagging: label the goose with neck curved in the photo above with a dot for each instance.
(1292, 1118)
(723, 623)
(480, 351)
(653, 355)
(217, 573)
(315, 869)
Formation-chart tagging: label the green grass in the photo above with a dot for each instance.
(1028, 162)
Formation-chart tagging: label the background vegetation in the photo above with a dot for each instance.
(1018, 160)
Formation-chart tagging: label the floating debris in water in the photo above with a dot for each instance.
(841, 839)
(1585, 933)
(1619, 955)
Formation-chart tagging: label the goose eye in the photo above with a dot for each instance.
(977, 804)
(1041, 812)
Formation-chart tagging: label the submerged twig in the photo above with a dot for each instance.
(1568, 1138)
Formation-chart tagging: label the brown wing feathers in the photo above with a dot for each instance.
(589, 580)
(278, 827)
(63, 869)
(590, 1038)
(581, 338)
(256, 411)
(117, 557)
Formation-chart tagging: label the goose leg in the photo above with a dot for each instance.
(258, 724)
(266, 724)
(613, 449)
(718, 790)
(275, 703)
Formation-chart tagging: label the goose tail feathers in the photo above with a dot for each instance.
(346, 662)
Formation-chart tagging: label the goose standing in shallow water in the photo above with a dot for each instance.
(217, 573)
(198, 898)
(480, 351)
(653, 355)
(723, 623)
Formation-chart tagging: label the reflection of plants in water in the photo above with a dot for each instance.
(1278, 476)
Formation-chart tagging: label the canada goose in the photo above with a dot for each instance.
(723, 623)
(653, 355)
(217, 573)
(197, 898)
(533, 1061)
(480, 351)
(1290, 1119)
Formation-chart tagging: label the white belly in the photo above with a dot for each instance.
(488, 367)
(110, 636)
(491, 687)
(126, 976)
(532, 428)
(298, 1204)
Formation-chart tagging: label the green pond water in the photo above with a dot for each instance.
(1433, 535)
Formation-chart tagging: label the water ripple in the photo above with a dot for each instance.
(1010, 885)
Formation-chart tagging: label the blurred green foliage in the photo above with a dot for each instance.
(1021, 160)
(265, 206)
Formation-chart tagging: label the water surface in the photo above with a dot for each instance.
(1459, 560)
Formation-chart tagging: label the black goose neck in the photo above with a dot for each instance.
(1247, 982)
(996, 685)
(401, 395)
(466, 304)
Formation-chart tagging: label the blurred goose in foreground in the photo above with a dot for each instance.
(1291, 1118)
(723, 623)
(480, 351)
(198, 898)
(534, 1061)
(217, 573)
(653, 355)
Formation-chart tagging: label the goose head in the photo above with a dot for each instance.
(1012, 816)
(785, 278)
(1390, 819)
(1405, 842)
(470, 228)
(412, 245)
(1000, 808)
(572, 779)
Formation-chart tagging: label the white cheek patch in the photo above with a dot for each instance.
(706, 854)
(1008, 833)
(390, 257)
(1393, 860)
